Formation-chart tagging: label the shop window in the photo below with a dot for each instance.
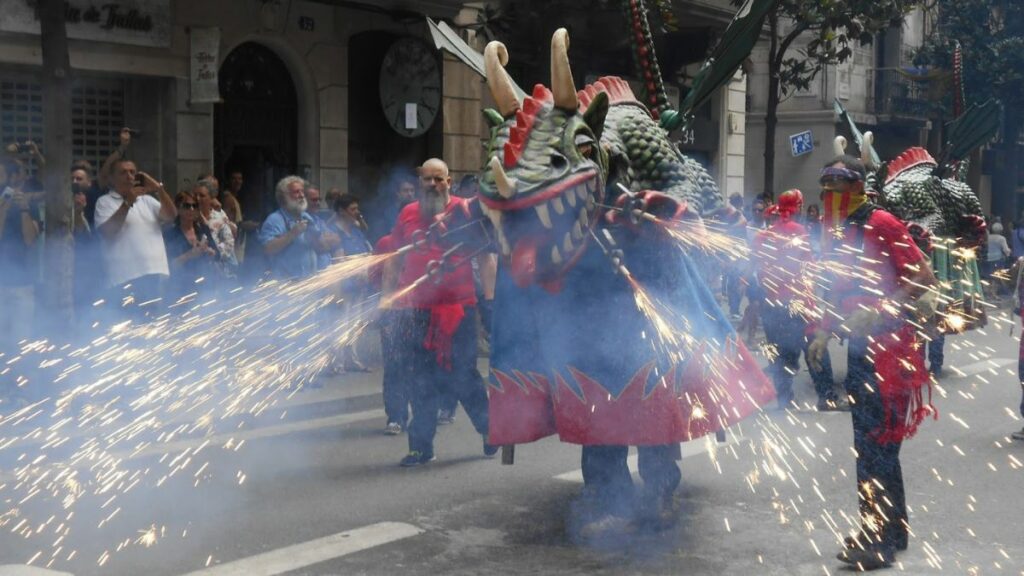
(97, 114)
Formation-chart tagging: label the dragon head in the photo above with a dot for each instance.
(544, 182)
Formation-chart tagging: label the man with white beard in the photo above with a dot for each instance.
(290, 237)
(436, 335)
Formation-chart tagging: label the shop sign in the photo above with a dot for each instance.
(203, 60)
(138, 22)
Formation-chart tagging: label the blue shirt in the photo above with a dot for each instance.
(298, 259)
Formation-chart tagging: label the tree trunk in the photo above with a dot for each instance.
(58, 256)
(771, 118)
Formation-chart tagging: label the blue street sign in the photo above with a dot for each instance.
(801, 143)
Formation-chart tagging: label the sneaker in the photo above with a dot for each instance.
(490, 449)
(393, 429)
(1019, 435)
(445, 416)
(415, 458)
(867, 559)
(832, 405)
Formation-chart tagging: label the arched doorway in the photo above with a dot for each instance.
(255, 127)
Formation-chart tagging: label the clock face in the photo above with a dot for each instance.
(410, 86)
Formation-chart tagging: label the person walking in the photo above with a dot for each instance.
(780, 253)
(887, 287)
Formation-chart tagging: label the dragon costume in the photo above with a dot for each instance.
(603, 332)
(946, 219)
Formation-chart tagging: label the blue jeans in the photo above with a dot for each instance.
(429, 382)
(936, 355)
(880, 490)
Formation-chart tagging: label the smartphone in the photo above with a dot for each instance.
(139, 181)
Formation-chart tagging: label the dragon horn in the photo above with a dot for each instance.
(839, 146)
(562, 86)
(495, 58)
(865, 148)
(506, 186)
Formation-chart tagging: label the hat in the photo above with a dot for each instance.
(997, 228)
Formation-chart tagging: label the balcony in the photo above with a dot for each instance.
(898, 97)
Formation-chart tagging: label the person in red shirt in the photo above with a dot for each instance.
(781, 253)
(883, 287)
(437, 318)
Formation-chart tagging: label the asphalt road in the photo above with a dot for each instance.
(322, 494)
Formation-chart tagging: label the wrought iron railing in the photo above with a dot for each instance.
(898, 95)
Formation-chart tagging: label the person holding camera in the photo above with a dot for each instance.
(129, 219)
(292, 239)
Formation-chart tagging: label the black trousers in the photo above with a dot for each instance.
(429, 382)
(786, 332)
(606, 475)
(880, 494)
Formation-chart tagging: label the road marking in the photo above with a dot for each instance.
(982, 366)
(257, 433)
(313, 552)
(160, 449)
(23, 570)
(688, 449)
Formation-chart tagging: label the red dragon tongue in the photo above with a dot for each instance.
(524, 261)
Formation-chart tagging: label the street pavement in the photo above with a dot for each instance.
(316, 490)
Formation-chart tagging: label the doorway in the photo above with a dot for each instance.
(256, 125)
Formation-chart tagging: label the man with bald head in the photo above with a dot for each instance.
(437, 319)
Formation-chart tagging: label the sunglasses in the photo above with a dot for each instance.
(188, 206)
(836, 180)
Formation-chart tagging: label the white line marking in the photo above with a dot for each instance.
(23, 570)
(688, 449)
(313, 552)
(979, 367)
(218, 440)
(257, 433)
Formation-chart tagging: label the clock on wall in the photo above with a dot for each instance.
(410, 86)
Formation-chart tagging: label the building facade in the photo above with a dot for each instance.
(875, 88)
(320, 88)
(297, 85)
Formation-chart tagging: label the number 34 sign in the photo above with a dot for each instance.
(802, 143)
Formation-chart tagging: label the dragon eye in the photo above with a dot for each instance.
(585, 144)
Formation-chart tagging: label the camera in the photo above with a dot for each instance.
(75, 188)
(139, 181)
(19, 148)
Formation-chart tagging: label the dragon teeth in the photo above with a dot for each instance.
(581, 191)
(556, 203)
(592, 185)
(577, 231)
(584, 218)
(571, 197)
(590, 202)
(567, 244)
(556, 257)
(543, 215)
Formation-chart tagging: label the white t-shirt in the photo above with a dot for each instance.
(138, 249)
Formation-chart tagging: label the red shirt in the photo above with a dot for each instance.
(877, 265)
(455, 287)
(781, 251)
